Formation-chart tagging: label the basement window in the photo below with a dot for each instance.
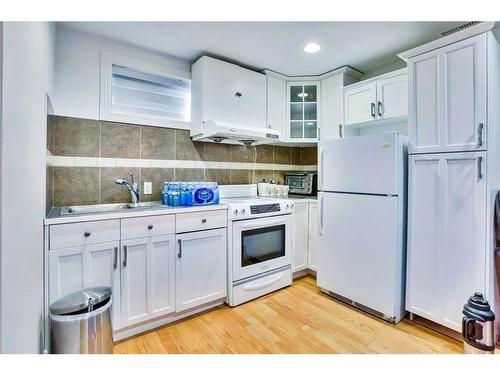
(140, 92)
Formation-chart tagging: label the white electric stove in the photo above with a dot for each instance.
(259, 243)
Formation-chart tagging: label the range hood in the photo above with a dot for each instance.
(224, 132)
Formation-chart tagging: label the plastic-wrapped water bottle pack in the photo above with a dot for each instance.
(177, 194)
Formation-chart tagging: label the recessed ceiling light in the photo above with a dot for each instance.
(312, 48)
(303, 95)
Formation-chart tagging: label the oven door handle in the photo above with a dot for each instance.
(321, 199)
(263, 285)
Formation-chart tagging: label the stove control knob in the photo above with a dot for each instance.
(243, 211)
(236, 212)
(287, 206)
(293, 205)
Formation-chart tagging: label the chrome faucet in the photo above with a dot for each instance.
(133, 189)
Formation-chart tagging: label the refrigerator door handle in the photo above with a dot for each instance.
(321, 199)
(321, 167)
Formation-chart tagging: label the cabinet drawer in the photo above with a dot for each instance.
(86, 233)
(138, 227)
(193, 221)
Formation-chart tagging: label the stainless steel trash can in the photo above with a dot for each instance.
(81, 322)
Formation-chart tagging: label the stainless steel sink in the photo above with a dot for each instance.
(103, 208)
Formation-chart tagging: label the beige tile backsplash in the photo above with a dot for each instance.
(92, 185)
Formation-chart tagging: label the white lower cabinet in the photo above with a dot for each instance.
(88, 266)
(200, 269)
(300, 243)
(446, 234)
(312, 256)
(305, 239)
(147, 278)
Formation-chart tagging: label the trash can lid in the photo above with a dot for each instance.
(80, 300)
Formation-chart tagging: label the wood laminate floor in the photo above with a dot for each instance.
(297, 319)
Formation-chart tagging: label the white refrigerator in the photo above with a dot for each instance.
(362, 220)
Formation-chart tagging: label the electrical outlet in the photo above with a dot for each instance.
(148, 188)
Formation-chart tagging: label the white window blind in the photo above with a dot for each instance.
(145, 95)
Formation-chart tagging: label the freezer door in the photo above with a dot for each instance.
(368, 164)
(360, 253)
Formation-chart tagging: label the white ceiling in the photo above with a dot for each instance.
(277, 45)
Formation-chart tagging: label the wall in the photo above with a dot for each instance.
(78, 66)
(27, 69)
(384, 69)
(88, 155)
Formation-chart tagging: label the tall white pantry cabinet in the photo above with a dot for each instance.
(454, 168)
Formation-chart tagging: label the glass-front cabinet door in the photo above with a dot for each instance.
(303, 111)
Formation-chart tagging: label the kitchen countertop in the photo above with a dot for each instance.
(54, 216)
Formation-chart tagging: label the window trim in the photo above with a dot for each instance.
(106, 85)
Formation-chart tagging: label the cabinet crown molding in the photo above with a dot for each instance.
(480, 28)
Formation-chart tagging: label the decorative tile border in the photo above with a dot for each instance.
(78, 161)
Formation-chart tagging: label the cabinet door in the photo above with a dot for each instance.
(66, 272)
(312, 257)
(425, 257)
(147, 278)
(392, 97)
(215, 87)
(446, 234)
(300, 240)
(359, 103)
(103, 269)
(303, 111)
(134, 281)
(77, 268)
(200, 268)
(464, 232)
(447, 90)
(464, 92)
(251, 104)
(276, 105)
(332, 98)
(424, 110)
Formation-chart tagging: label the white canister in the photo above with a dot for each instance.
(273, 190)
(263, 189)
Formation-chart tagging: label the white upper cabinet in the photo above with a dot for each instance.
(446, 255)
(381, 99)
(447, 90)
(276, 104)
(303, 111)
(392, 97)
(359, 103)
(226, 92)
(332, 110)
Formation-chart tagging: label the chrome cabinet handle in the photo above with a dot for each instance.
(480, 168)
(372, 109)
(115, 262)
(125, 251)
(341, 134)
(480, 128)
(179, 254)
(86, 234)
(379, 109)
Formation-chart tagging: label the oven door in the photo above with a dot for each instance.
(261, 245)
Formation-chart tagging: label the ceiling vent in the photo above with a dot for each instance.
(460, 28)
